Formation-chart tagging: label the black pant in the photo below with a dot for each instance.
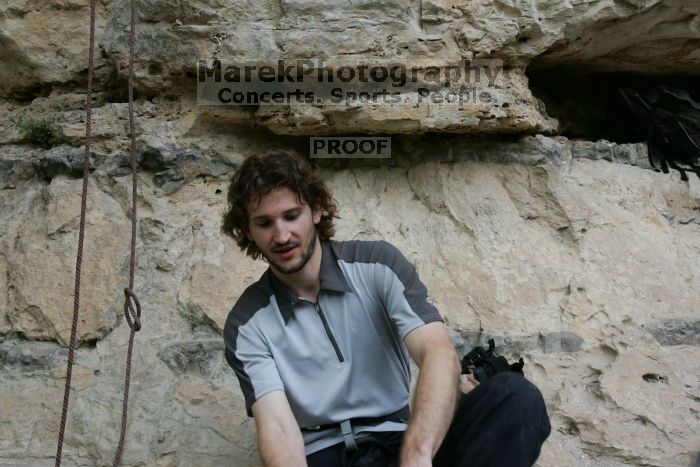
(501, 422)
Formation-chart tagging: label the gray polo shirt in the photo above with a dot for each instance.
(340, 358)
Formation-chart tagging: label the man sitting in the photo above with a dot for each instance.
(321, 343)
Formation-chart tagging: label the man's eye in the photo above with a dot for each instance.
(291, 217)
(263, 224)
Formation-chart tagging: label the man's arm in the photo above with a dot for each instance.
(279, 439)
(435, 396)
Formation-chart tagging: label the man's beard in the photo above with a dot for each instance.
(305, 256)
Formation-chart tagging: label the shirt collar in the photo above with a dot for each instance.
(330, 275)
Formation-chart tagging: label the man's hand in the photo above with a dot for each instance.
(467, 383)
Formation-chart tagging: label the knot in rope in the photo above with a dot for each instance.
(133, 316)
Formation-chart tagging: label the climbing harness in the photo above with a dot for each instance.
(132, 306)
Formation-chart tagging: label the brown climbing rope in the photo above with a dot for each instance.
(132, 306)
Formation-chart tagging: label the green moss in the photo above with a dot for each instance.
(39, 131)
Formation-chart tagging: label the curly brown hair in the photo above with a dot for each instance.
(262, 173)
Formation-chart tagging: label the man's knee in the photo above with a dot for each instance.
(506, 387)
(516, 384)
(503, 421)
(523, 402)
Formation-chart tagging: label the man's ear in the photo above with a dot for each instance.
(316, 215)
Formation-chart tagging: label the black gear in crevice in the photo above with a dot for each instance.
(484, 363)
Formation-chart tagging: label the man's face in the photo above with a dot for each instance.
(283, 229)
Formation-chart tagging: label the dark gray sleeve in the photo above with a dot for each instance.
(403, 294)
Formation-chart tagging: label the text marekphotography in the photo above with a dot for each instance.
(348, 82)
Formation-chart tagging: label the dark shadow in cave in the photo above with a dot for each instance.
(588, 104)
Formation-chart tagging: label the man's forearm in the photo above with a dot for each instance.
(433, 404)
(280, 447)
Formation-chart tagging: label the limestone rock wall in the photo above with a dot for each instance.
(584, 266)
(572, 254)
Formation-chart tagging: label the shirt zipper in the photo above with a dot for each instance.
(329, 333)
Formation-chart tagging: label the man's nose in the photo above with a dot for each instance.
(281, 233)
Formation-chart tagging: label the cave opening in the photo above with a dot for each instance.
(589, 105)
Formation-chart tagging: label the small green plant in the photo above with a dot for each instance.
(38, 130)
